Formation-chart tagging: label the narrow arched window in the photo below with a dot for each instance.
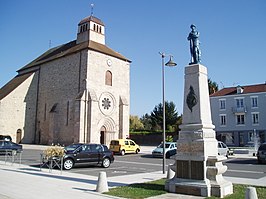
(94, 27)
(108, 78)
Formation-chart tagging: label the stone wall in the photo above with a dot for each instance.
(111, 118)
(60, 83)
(18, 110)
(72, 88)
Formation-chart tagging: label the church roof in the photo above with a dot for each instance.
(257, 88)
(13, 84)
(55, 53)
(91, 18)
(72, 47)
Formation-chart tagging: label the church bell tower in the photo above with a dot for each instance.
(91, 29)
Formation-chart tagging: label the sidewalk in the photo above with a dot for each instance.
(25, 182)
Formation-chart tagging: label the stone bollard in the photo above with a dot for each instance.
(251, 193)
(102, 185)
(170, 173)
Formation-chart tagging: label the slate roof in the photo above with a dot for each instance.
(55, 53)
(72, 47)
(13, 84)
(258, 88)
(91, 18)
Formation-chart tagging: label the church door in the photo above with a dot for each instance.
(102, 135)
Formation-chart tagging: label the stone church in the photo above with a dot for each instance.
(75, 92)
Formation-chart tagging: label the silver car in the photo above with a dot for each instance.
(170, 149)
(222, 149)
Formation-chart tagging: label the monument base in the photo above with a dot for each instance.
(222, 190)
(189, 187)
(213, 185)
(219, 186)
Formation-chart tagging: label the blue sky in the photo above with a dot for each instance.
(232, 35)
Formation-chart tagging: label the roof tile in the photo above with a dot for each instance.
(257, 88)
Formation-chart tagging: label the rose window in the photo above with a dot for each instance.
(106, 103)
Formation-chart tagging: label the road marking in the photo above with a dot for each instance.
(139, 163)
(243, 171)
(119, 172)
(231, 170)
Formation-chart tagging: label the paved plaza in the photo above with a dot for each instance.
(22, 181)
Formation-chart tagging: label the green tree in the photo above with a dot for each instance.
(157, 117)
(213, 86)
(135, 123)
(169, 138)
(146, 121)
(171, 116)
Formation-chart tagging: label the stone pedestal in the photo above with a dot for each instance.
(215, 168)
(198, 168)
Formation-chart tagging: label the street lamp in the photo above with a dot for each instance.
(171, 64)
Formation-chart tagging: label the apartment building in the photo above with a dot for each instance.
(239, 114)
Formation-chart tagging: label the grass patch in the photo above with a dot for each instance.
(240, 190)
(154, 188)
(139, 190)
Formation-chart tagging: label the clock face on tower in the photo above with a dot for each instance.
(106, 103)
(109, 62)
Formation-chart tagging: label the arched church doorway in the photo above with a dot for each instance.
(102, 135)
(19, 136)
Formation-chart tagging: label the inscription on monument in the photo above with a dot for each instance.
(182, 169)
(198, 134)
(197, 147)
(197, 170)
(190, 148)
(183, 147)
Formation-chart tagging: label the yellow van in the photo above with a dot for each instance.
(124, 146)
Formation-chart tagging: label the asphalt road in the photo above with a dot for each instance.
(245, 168)
(144, 163)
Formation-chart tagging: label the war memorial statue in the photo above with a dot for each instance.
(198, 167)
(193, 38)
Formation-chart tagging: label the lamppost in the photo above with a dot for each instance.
(171, 64)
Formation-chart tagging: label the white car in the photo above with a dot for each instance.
(170, 149)
(222, 149)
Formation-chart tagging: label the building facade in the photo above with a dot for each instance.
(239, 114)
(75, 92)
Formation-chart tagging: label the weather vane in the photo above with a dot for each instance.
(92, 9)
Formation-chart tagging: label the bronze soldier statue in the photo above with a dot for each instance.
(193, 37)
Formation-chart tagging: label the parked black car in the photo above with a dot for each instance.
(7, 146)
(261, 154)
(87, 153)
(170, 153)
(5, 137)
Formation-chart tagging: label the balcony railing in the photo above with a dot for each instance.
(239, 109)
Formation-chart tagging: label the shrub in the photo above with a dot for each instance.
(54, 151)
